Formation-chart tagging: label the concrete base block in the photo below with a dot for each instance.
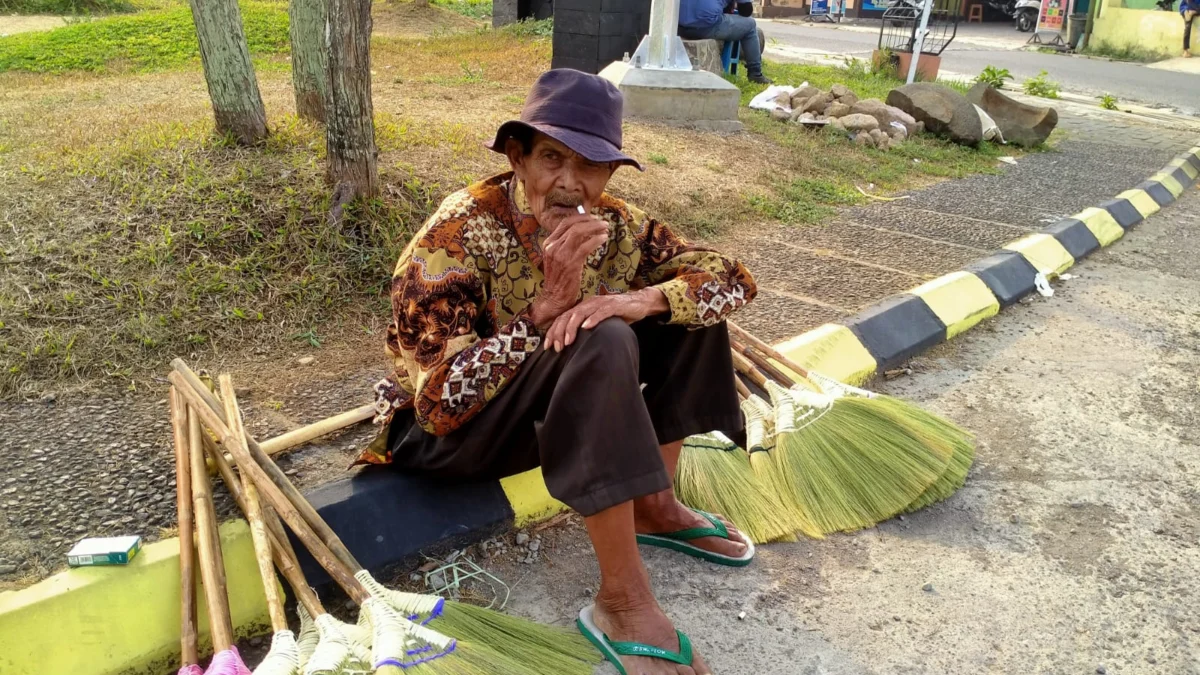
(705, 55)
(691, 98)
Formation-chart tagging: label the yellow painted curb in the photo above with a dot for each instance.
(1044, 253)
(960, 300)
(1187, 168)
(1102, 224)
(1142, 201)
(831, 350)
(530, 499)
(121, 620)
(1168, 181)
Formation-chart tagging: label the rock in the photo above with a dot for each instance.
(943, 110)
(877, 135)
(50, 398)
(806, 117)
(817, 104)
(884, 113)
(535, 545)
(522, 539)
(857, 122)
(784, 98)
(804, 93)
(928, 588)
(864, 139)
(837, 109)
(897, 131)
(780, 114)
(840, 91)
(849, 99)
(1020, 123)
(437, 580)
(306, 361)
(705, 55)
(1101, 670)
(838, 124)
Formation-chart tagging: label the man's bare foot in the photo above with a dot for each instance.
(1187, 54)
(662, 512)
(643, 621)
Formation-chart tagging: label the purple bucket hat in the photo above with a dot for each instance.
(581, 111)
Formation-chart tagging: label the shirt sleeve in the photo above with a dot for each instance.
(436, 301)
(702, 286)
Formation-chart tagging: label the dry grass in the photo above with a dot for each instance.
(129, 235)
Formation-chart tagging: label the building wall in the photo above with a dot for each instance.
(1152, 29)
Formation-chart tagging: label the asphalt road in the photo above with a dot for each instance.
(1126, 81)
(1072, 547)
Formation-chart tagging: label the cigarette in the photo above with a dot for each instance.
(580, 209)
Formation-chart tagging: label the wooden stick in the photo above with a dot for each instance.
(281, 546)
(766, 349)
(212, 567)
(270, 491)
(763, 364)
(258, 530)
(293, 496)
(742, 390)
(188, 650)
(743, 366)
(283, 442)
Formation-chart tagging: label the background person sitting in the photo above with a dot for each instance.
(707, 20)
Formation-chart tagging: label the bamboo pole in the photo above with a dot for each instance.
(766, 349)
(200, 394)
(295, 437)
(189, 653)
(274, 494)
(762, 363)
(743, 366)
(212, 568)
(258, 530)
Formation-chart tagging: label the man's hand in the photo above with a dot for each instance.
(564, 253)
(629, 307)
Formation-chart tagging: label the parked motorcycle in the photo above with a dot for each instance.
(1026, 14)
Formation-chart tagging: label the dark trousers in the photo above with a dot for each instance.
(1188, 17)
(585, 417)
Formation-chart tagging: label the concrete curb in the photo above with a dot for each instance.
(126, 620)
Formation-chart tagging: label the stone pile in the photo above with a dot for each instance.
(869, 122)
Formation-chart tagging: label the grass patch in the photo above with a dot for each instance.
(480, 10)
(62, 7)
(146, 41)
(803, 201)
(1127, 52)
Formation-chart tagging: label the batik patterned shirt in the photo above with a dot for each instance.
(463, 288)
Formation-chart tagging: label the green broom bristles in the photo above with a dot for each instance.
(849, 466)
(539, 649)
(760, 444)
(715, 475)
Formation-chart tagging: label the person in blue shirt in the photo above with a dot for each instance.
(707, 20)
(1188, 10)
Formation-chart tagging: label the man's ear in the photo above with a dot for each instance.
(516, 154)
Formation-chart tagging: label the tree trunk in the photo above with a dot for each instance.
(307, 31)
(349, 123)
(237, 105)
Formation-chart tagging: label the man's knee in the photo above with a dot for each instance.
(610, 334)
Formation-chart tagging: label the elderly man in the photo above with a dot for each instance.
(539, 321)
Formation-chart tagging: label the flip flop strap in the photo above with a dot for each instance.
(683, 657)
(718, 529)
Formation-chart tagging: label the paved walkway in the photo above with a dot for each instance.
(812, 275)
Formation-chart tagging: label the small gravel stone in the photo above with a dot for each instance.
(1014, 518)
(522, 539)
(928, 588)
(306, 360)
(1101, 670)
(436, 580)
(535, 545)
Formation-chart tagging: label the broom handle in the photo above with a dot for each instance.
(253, 511)
(269, 490)
(274, 446)
(766, 349)
(742, 390)
(281, 546)
(189, 654)
(212, 567)
(763, 363)
(266, 465)
(743, 366)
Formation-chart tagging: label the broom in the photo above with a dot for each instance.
(398, 638)
(848, 464)
(932, 429)
(226, 660)
(189, 654)
(333, 641)
(543, 650)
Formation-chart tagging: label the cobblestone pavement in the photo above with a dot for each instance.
(103, 466)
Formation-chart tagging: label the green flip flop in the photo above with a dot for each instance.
(681, 541)
(613, 651)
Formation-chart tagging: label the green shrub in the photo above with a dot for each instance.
(476, 9)
(994, 77)
(144, 41)
(64, 6)
(1108, 102)
(1041, 86)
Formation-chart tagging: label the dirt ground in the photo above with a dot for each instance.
(1073, 546)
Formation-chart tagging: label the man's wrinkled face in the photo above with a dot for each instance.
(557, 179)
